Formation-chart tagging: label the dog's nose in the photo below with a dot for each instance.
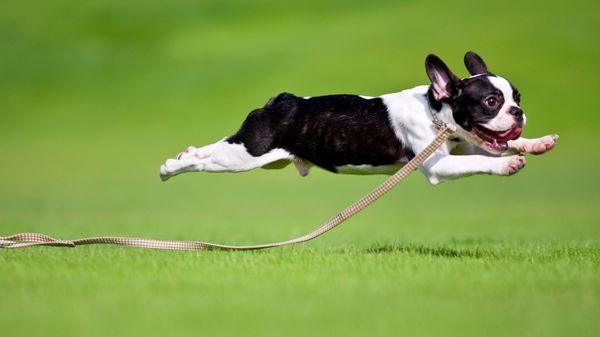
(517, 112)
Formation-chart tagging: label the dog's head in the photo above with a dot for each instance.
(485, 106)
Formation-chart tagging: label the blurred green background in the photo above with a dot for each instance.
(95, 95)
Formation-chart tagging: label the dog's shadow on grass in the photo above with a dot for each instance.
(437, 251)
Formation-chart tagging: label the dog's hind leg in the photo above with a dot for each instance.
(254, 145)
(222, 156)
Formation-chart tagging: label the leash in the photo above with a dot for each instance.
(36, 239)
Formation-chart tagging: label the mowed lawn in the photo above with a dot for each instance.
(95, 95)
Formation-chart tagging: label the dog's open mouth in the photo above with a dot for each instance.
(497, 140)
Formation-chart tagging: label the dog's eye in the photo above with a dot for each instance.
(491, 101)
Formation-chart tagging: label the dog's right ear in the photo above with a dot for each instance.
(444, 84)
(475, 64)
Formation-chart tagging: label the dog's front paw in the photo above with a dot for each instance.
(510, 165)
(536, 146)
(543, 144)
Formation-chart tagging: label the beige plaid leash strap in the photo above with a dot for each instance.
(35, 239)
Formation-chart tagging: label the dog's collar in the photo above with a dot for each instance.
(437, 121)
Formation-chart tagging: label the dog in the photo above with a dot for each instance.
(356, 134)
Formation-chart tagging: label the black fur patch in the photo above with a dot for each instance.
(328, 131)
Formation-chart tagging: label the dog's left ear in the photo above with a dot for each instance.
(475, 64)
(444, 84)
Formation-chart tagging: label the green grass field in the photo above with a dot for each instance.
(95, 95)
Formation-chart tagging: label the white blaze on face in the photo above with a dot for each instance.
(504, 120)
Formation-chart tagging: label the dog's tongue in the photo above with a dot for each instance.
(515, 133)
(509, 134)
(498, 137)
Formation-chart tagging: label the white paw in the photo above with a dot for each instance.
(185, 161)
(512, 165)
(539, 145)
(193, 152)
(173, 167)
(544, 144)
(189, 151)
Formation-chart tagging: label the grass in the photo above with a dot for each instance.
(95, 95)
(445, 289)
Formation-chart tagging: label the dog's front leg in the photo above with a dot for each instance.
(533, 146)
(444, 167)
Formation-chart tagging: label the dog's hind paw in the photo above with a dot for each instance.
(173, 167)
(190, 150)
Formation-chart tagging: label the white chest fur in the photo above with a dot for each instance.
(410, 117)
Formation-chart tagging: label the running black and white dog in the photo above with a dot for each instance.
(377, 135)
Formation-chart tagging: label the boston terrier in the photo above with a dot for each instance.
(356, 134)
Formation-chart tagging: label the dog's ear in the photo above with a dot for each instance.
(444, 84)
(475, 64)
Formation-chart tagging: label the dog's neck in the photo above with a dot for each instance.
(434, 105)
(443, 112)
(439, 110)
